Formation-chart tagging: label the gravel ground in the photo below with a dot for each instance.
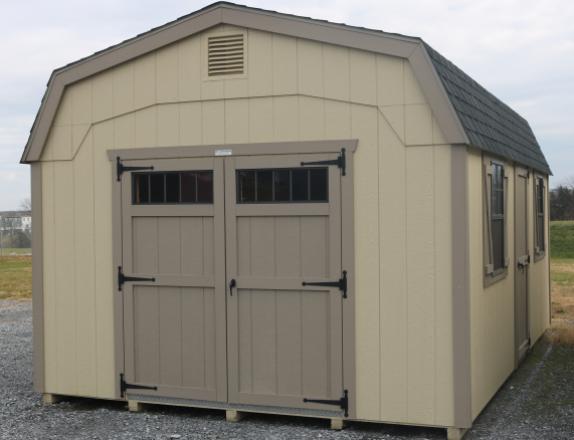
(536, 403)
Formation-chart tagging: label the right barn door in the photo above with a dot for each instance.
(285, 281)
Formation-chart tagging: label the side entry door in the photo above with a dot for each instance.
(285, 281)
(522, 334)
(172, 278)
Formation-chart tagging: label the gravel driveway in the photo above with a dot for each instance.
(536, 403)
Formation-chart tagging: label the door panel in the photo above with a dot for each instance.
(522, 336)
(174, 328)
(284, 340)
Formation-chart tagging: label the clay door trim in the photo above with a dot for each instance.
(522, 257)
(236, 150)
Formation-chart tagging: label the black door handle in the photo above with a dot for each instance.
(232, 284)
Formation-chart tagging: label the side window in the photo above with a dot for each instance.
(172, 187)
(539, 220)
(495, 248)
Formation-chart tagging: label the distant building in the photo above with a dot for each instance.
(16, 221)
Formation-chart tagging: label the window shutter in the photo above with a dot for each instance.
(505, 204)
(488, 255)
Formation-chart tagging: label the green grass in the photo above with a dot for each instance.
(562, 239)
(16, 277)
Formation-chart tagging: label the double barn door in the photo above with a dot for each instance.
(216, 256)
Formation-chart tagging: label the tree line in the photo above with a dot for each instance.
(562, 202)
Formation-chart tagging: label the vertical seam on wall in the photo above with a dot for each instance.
(379, 154)
(435, 355)
(405, 185)
(93, 190)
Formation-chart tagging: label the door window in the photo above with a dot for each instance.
(173, 187)
(282, 185)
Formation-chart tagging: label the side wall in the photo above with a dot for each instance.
(294, 90)
(492, 307)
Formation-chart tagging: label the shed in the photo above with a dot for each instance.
(255, 211)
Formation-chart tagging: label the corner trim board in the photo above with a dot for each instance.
(37, 278)
(461, 288)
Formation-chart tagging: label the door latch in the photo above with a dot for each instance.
(232, 284)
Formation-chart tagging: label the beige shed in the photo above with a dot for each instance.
(256, 211)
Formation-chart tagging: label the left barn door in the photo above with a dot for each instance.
(173, 265)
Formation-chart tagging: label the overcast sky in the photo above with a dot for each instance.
(521, 50)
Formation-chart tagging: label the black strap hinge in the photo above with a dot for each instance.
(121, 168)
(341, 162)
(343, 402)
(124, 386)
(341, 283)
(123, 278)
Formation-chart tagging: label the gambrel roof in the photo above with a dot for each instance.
(466, 112)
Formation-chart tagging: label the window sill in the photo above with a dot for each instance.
(495, 277)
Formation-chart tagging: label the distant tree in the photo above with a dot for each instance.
(562, 203)
(26, 204)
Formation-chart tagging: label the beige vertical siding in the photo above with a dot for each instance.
(293, 90)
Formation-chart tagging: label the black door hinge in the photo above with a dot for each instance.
(343, 402)
(124, 386)
(123, 278)
(120, 168)
(341, 283)
(341, 162)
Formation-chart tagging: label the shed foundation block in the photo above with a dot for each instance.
(134, 406)
(455, 433)
(337, 424)
(233, 416)
(50, 399)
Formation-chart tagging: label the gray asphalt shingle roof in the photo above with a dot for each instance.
(489, 124)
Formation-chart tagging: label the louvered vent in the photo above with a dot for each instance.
(226, 55)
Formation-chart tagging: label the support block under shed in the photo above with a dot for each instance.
(50, 399)
(233, 416)
(455, 433)
(134, 406)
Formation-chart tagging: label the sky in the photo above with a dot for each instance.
(520, 50)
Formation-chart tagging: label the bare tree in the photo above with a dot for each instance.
(26, 204)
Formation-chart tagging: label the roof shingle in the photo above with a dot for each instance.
(489, 124)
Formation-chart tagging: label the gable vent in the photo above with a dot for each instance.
(225, 55)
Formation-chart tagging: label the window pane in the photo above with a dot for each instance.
(141, 188)
(540, 233)
(245, 186)
(300, 185)
(157, 186)
(281, 182)
(498, 243)
(318, 184)
(188, 187)
(172, 187)
(264, 186)
(205, 187)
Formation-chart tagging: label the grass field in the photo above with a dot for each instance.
(16, 277)
(562, 276)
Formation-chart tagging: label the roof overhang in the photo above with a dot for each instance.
(409, 48)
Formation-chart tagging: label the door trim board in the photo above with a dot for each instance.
(257, 149)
